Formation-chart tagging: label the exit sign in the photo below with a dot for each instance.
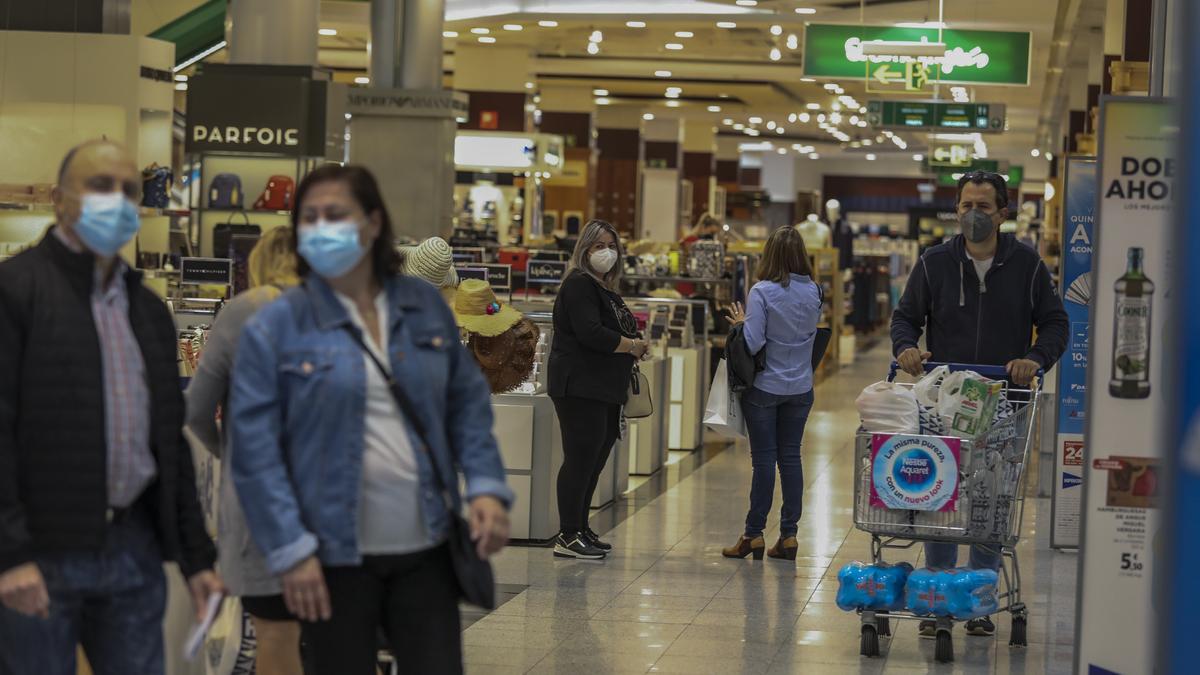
(937, 116)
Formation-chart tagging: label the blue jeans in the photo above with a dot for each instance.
(945, 556)
(109, 601)
(776, 427)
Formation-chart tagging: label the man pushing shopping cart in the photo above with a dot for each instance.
(978, 298)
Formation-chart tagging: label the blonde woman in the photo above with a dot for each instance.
(596, 344)
(272, 268)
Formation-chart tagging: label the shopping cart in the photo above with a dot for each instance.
(990, 503)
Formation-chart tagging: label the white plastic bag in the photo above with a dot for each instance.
(723, 410)
(887, 407)
(926, 389)
(949, 394)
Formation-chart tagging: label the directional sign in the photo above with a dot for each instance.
(950, 155)
(937, 116)
(887, 74)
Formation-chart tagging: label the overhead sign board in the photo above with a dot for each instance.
(937, 116)
(971, 56)
(1013, 175)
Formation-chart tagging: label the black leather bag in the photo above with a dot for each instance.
(475, 577)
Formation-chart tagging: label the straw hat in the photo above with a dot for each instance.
(431, 261)
(478, 311)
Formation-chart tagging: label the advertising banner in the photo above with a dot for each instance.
(972, 56)
(1126, 403)
(1079, 215)
(918, 473)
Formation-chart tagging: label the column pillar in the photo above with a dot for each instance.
(272, 32)
(494, 77)
(727, 163)
(660, 211)
(700, 165)
(406, 43)
(618, 148)
(570, 196)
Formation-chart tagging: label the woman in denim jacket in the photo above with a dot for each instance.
(338, 489)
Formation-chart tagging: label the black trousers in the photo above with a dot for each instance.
(589, 430)
(413, 597)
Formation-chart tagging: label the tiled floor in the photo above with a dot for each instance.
(667, 602)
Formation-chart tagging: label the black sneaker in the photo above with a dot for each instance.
(927, 629)
(981, 626)
(595, 539)
(576, 545)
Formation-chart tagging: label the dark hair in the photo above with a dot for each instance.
(783, 256)
(981, 178)
(386, 261)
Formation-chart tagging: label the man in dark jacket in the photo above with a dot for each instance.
(978, 298)
(97, 485)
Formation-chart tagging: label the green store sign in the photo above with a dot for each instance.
(1013, 175)
(972, 56)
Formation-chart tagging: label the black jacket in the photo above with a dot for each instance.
(586, 331)
(53, 451)
(991, 327)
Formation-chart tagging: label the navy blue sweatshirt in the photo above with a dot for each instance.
(990, 323)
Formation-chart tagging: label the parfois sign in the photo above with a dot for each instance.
(918, 473)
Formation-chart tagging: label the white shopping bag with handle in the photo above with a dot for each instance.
(723, 411)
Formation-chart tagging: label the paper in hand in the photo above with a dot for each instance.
(196, 637)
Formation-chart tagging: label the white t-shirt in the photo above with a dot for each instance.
(389, 500)
(981, 269)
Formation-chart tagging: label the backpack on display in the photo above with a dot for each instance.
(225, 192)
(277, 196)
(156, 186)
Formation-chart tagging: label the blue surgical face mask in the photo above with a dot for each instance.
(107, 221)
(331, 248)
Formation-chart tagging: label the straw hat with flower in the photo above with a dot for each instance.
(478, 311)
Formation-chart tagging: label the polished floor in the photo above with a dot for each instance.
(667, 602)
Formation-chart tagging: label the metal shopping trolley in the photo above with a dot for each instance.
(988, 506)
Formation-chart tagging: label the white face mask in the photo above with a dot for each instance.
(603, 260)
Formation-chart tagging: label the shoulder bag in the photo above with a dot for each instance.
(638, 404)
(821, 339)
(474, 574)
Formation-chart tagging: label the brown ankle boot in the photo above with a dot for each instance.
(784, 549)
(745, 547)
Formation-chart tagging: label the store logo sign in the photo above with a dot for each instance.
(243, 136)
(918, 473)
(953, 58)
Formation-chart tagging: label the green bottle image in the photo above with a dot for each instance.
(1131, 331)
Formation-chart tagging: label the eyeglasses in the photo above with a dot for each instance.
(982, 177)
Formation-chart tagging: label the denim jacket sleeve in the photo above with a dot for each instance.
(469, 423)
(259, 468)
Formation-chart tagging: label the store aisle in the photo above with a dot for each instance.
(666, 601)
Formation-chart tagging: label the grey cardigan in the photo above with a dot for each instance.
(241, 564)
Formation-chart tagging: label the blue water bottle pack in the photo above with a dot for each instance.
(874, 587)
(960, 593)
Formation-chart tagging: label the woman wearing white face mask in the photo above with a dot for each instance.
(596, 344)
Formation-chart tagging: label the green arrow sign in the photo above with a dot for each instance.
(971, 57)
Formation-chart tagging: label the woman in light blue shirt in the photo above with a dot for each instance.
(781, 317)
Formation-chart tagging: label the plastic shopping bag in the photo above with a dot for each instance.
(926, 389)
(723, 411)
(886, 407)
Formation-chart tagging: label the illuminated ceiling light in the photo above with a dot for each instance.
(593, 48)
(854, 119)
(777, 30)
(727, 122)
(487, 39)
(782, 151)
(780, 130)
(726, 24)
(480, 31)
(600, 92)
(362, 80)
(647, 116)
(513, 27)
(830, 86)
(792, 118)
(756, 120)
(753, 132)
(672, 94)
(548, 24)
(672, 103)
(921, 24)
(839, 90)
(327, 31)
(771, 124)
(603, 101)
(813, 155)
(888, 133)
(836, 118)
(870, 157)
(879, 138)
(746, 3)
(674, 46)
(793, 42)
(662, 73)
(181, 78)
(635, 24)
(918, 157)
(867, 141)
(739, 126)
(862, 123)
(181, 86)
(1049, 157)
(775, 54)
(835, 106)
(856, 144)
(805, 10)
(821, 117)
(1035, 152)
(714, 108)
(684, 34)
(449, 33)
(529, 85)
(808, 79)
(804, 117)
(596, 36)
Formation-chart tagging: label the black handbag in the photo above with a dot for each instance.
(474, 574)
(821, 339)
